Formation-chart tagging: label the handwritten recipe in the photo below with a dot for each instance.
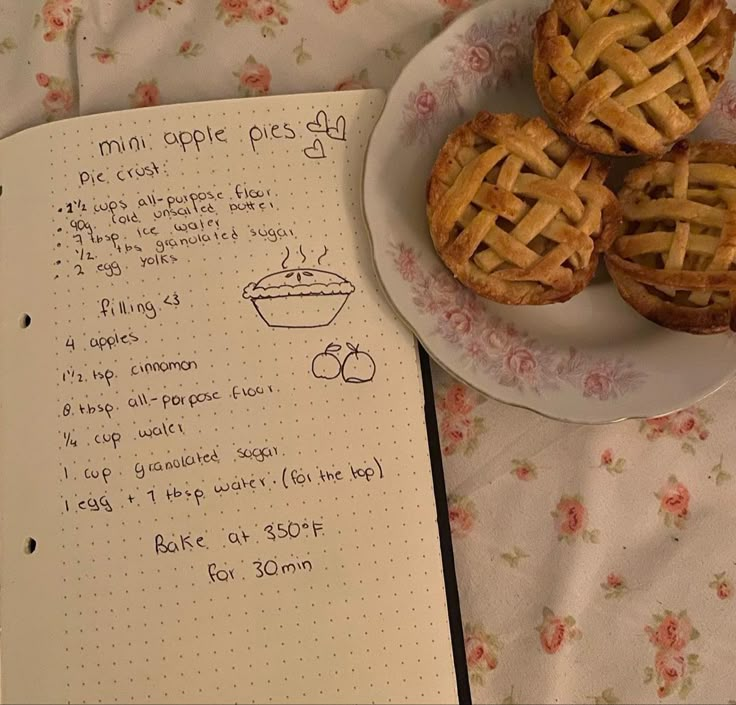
(216, 482)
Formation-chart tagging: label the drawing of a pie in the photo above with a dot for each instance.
(299, 298)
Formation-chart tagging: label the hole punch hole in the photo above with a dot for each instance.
(25, 320)
(30, 546)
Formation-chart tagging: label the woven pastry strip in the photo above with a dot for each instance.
(514, 210)
(620, 76)
(676, 258)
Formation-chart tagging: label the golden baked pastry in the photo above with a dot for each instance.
(627, 76)
(674, 260)
(516, 213)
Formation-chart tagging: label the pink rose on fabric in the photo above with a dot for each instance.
(185, 46)
(58, 15)
(143, 5)
(607, 457)
(456, 400)
(479, 655)
(683, 423)
(42, 79)
(675, 499)
(58, 100)
(236, 9)
(658, 424)
(521, 361)
(349, 84)
(598, 384)
(462, 515)
(425, 103)
(145, 95)
(572, 516)
(673, 632)
(105, 57)
(523, 473)
(354, 82)
(724, 590)
(614, 581)
(261, 10)
(552, 635)
(455, 429)
(479, 58)
(255, 77)
(338, 6)
(670, 665)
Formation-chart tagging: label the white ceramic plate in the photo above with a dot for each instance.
(590, 360)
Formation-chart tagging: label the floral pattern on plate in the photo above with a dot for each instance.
(511, 356)
(483, 57)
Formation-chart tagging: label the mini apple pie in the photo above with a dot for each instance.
(621, 77)
(299, 298)
(674, 260)
(516, 213)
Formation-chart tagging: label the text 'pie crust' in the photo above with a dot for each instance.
(516, 213)
(627, 76)
(675, 258)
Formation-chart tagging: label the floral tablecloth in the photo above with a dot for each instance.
(595, 564)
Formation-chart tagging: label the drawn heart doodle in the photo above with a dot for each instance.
(316, 151)
(337, 131)
(319, 124)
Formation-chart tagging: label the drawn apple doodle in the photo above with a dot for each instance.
(356, 367)
(301, 297)
(326, 365)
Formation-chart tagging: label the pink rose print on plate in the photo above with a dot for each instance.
(600, 379)
(555, 632)
(497, 348)
(491, 54)
(721, 120)
(459, 428)
(58, 102)
(254, 78)
(462, 515)
(722, 585)
(674, 503)
(614, 586)
(59, 18)
(571, 520)
(481, 652)
(670, 634)
(423, 108)
(354, 82)
(688, 426)
(145, 95)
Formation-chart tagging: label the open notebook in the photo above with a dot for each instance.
(216, 477)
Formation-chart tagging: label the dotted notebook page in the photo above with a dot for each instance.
(215, 477)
